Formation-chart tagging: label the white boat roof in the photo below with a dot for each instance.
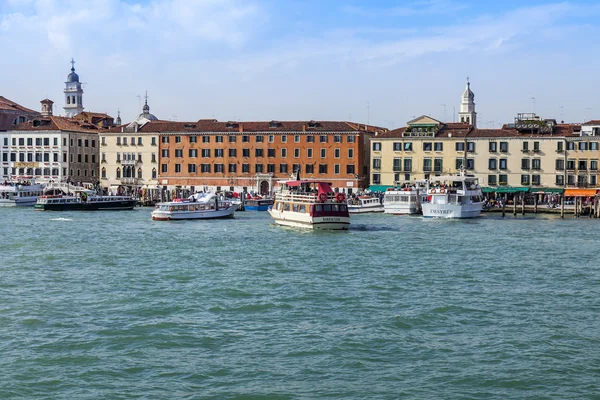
(452, 178)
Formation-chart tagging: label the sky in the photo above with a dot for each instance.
(380, 62)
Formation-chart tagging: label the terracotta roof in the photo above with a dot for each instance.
(592, 122)
(250, 127)
(6, 104)
(394, 133)
(493, 133)
(54, 123)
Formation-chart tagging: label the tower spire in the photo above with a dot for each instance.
(467, 112)
(72, 64)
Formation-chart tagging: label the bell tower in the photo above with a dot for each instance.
(467, 112)
(73, 93)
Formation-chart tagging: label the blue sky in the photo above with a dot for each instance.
(381, 62)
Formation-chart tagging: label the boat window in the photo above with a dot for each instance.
(286, 207)
(335, 207)
(343, 208)
(318, 208)
(295, 207)
(302, 208)
(327, 207)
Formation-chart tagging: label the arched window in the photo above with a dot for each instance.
(139, 173)
(118, 173)
(68, 99)
(467, 120)
(153, 173)
(103, 173)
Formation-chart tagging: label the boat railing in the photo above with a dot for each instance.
(302, 197)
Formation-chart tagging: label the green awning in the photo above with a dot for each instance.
(505, 189)
(379, 188)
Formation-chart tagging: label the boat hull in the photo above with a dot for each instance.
(257, 208)
(402, 209)
(364, 210)
(193, 215)
(89, 206)
(452, 210)
(18, 202)
(298, 220)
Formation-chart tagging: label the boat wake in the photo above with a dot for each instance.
(61, 219)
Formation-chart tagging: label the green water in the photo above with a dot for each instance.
(111, 305)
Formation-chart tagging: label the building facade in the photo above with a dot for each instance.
(73, 93)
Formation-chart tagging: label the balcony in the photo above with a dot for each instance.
(129, 162)
(129, 181)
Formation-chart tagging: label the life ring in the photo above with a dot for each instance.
(432, 191)
(340, 197)
(442, 190)
(323, 197)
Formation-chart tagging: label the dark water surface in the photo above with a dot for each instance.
(111, 305)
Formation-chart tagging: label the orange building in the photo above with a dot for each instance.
(252, 156)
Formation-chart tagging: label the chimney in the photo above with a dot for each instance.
(303, 127)
(241, 127)
(47, 107)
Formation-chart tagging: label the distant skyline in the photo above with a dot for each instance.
(382, 62)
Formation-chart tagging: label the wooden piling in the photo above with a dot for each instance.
(522, 203)
(515, 205)
(562, 206)
(535, 204)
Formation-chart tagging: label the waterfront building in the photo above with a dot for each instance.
(467, 112)
(129, 154)
(12, 113)
(248, 156)
(531, 152)
(73, 93)
(49, 147)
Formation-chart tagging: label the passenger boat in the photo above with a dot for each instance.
(364, 204)
(310, 204)
(84, 200)
(24, 193)
(453, 196)
(406, 198)
(257, 204)
(197, 206)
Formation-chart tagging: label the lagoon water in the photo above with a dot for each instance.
(112, 305)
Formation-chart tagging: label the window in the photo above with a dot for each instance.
(179, 153)
(205, 139)
(206, 153)
(397, 165)
(582, 165)
(323, 138)
(350, 139)
(502, 179)
(471, 147)
(322, 168)
(219, 152)
(350, 169)
(560, 164)
(192, 168)
(164, 168)
(492, 180)
(296, 138)
(283, 139)
(524, 180)
(154, 173)
(336, 153)
(350, 153)
(570, 165)
(245, 168)
(220, 168)
(535, 180)
(29, 141)
(79, 142)
(164, 139)
(177, 139)
(231, 138)
(152, 141)
(283, 153)
(525, 163)
(219, 139)
(503, 163)
(570, 180)
(437, 165)
(232, 168)
(492, 164)
(205, 168)
(583, 146)
(503, 147)
(427, 146)
(407, 165)
(336, 169)
(118, 157)
(164, 153)
(310, 139)
(560, 180)
(376, 146)
(260, 138)
(593, 165)
(309, 153)
(570, 146)
(559, 147)
(271, 153)
(271, 168)
(193, 139)
(193, 153)
(323, 153)
(525, 148)
(139, 142)
(460, 146)
(258, 168)
(397, 146)
(377, 163)
(232, 152)
(310, 169)
(536, 164)
(337, 138)
(153, 157)
(594, 146)
(376, 179)
(438, 146)
(245, 152)
(258, 152)
(296, 153)
(427, 164)
(283, 168)
(118, 173)
(408, 146)
(493, 147)
(271, 138)
(470, 164)
(103, 173)
(536, 147)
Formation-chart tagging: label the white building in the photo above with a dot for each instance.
(73, 93)
(467, 112)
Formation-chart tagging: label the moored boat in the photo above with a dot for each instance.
(406, 198)
(364, 204)
(85, 200)
(257, 204)
(453, 196)
(20, 193)
(310, 204)
(197, 206)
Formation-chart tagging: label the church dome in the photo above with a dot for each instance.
(73, 77)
